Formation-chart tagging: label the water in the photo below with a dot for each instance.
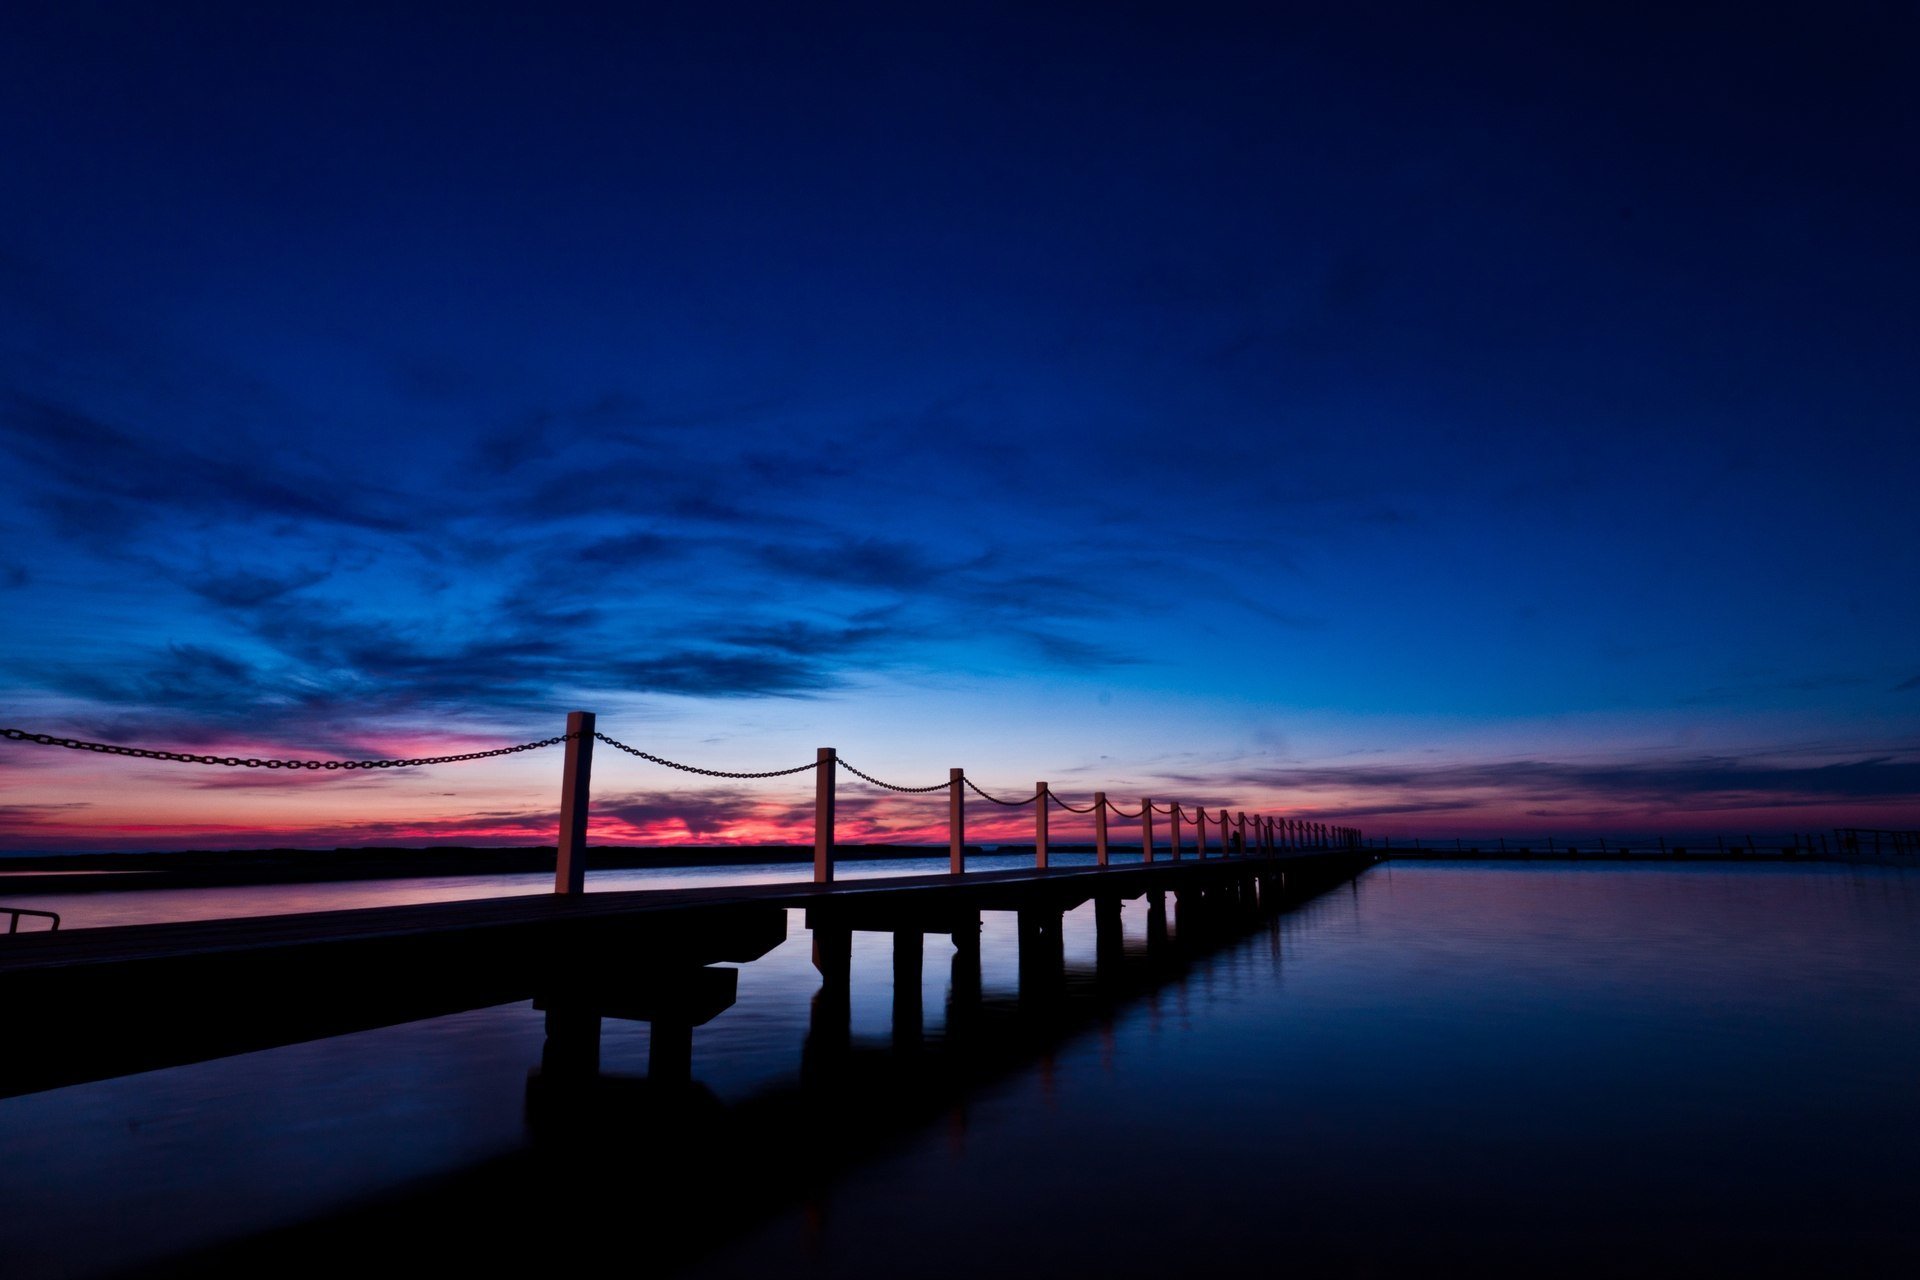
(1439, 1069)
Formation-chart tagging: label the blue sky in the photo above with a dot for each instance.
(1501, 424)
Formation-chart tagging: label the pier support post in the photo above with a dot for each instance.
(669, 1051)
(1040, 802)
(1100, 828)
(957, 821)
(570, 867)
(909, 946)
(823, 779)
(1042, 956)
(1146, 828)
(964, 994)
(1109, 945)
(833, 956)
(572, 1047)
(1156, 920)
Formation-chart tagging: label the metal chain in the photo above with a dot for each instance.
(705, 773)
(1118, 812)
(912, 791)
(1069, 808)
(251, 762)
(1011, 804)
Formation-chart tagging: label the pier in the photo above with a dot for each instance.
(138, 997)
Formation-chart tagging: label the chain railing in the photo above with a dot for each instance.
(892, 786)
(984, 795)
(254, 762)
(705, 773)
(1261, 834)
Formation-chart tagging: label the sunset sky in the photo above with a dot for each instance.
(1500, 425)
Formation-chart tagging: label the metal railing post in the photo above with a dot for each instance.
(570, 862)
(1040, 824)
(957, 821)
(1100, 827)
(823, 779)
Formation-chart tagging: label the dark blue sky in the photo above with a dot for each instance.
(1492, 419)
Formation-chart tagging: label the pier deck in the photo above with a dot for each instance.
(111, 1001)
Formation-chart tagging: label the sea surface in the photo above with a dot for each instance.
(1436, 1069)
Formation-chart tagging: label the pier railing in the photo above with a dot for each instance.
(1236, 833)
(13, 924)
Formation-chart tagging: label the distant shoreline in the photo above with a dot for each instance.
(26, 874)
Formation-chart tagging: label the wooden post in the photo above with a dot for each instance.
(957, 821)
(570, 867)
(823, 777)
(1040, 802)
(909, 1023)
(1243, 833)
(1146, 829)
(1200, 832)
(1100, 828)
(1173, 831)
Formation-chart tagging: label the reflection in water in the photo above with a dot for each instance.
(1494, 1068)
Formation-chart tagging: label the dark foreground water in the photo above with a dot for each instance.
(1440, 1069)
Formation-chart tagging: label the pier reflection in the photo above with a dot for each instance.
(617, 1156)
(852, 1094)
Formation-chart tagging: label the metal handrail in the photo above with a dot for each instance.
(13, 925)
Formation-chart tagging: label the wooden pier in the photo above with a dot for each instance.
(112, 1001)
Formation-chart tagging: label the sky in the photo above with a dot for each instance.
(1431, 419)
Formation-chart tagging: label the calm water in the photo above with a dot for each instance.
(1440, 1068)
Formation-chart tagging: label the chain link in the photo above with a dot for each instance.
(705, 773)
(911, 791)
(1011, 804)
(252, 762)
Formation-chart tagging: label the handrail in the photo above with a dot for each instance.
(1269, 834)
(13, 926)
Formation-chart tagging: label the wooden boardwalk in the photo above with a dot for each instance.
(92, 1003)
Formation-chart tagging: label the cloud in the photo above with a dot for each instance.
(1907, 686)
(243, 589)
(878, 563)
(100, 479)
(1702, 782)
(701, 673)
(1066, 651)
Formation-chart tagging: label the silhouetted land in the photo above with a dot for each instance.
(200, 869)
